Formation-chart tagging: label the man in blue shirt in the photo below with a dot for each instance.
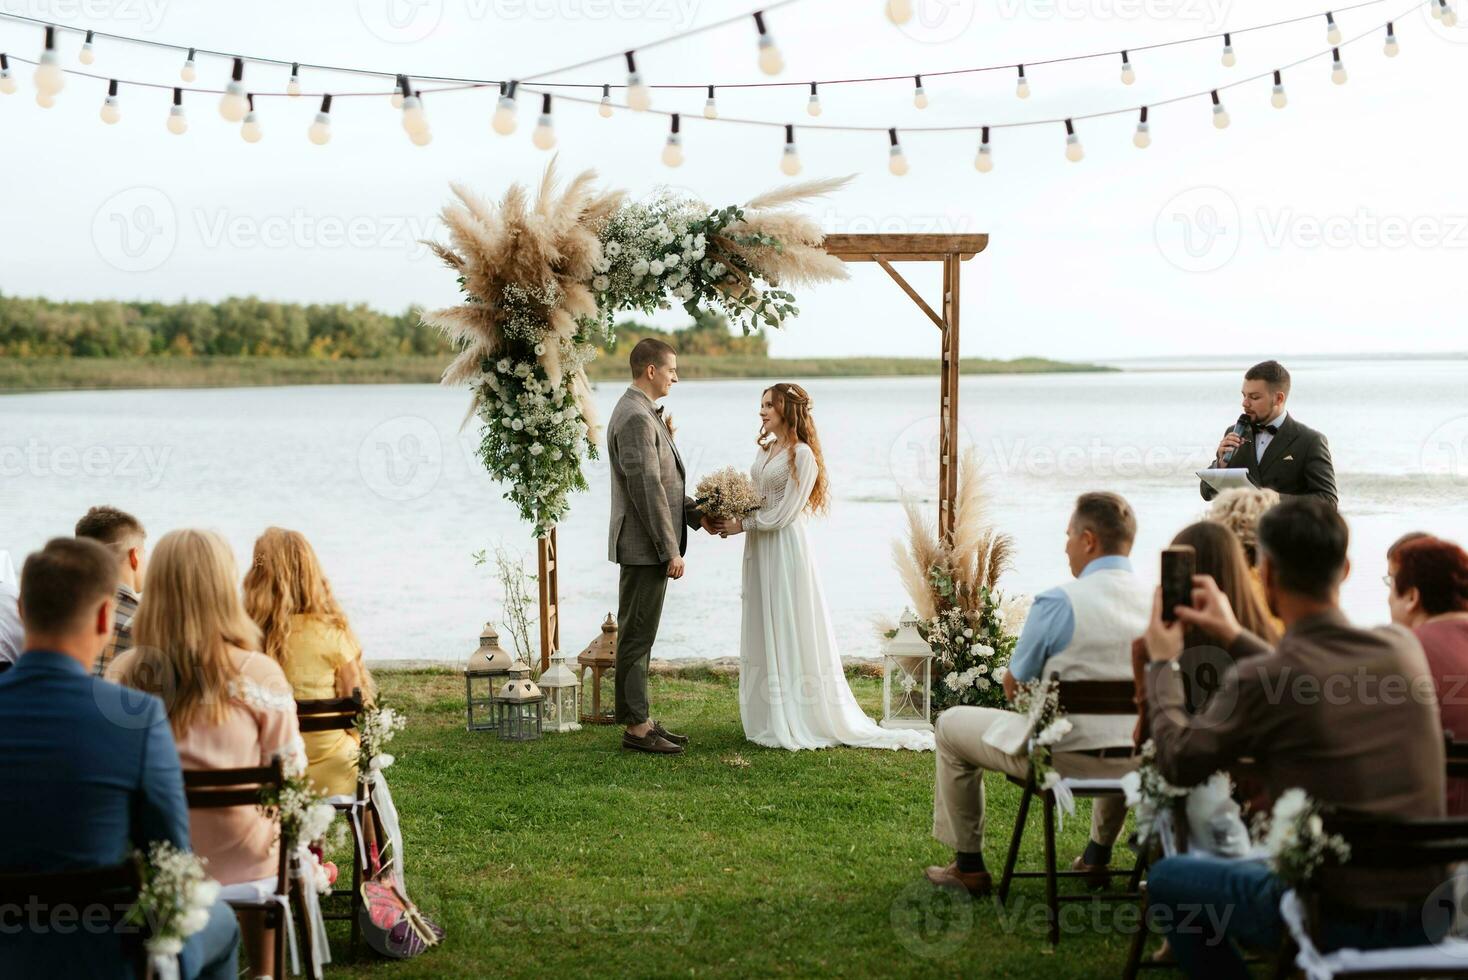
(91, 774)
(1082, 630)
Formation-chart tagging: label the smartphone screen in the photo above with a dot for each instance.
(1177, 579)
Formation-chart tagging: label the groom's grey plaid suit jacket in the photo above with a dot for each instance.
(651, 514)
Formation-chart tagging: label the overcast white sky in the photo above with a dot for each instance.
(1337, 224)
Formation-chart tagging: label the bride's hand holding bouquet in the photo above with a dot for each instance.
(725, 498)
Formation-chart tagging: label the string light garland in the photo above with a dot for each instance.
(293, 84)
(251, 130)
(673, 149)
(504, 113)
(86, 55)
(178, 122)
(605, 110)
(984, 161)
(1337, 67)
(771, 62)
(896, 159)
(1074, 152)
(232, 104)
(1142, 138)
(544, 136)
(320, 131)
(1229, 59)
(710, 106)
(1220, 114)
(1128, 74)
(1022, 86)
(919, 97)
(50, 79)
(111, 111)
(790, 157)
(813, 104)
(188, 72)
(639, 97)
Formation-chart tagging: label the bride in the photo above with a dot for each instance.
(792, 689)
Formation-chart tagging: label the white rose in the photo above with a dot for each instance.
(985, 651)
(517, 425)
(951, 681)
(539, 352)
(639, 268)
(613, 249)
(687, 242)
(601, 284)
(503, 365)
(672, 259)
(983, 683)
(523, 370)
(655, 267)
(699, 241)
(968, 634)
(536, 449)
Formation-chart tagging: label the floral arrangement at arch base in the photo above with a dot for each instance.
(954, 587)
(544, 278)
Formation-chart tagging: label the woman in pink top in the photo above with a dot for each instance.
(1429, 594)
(229, 705)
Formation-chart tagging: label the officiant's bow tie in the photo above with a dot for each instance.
(1271, 429)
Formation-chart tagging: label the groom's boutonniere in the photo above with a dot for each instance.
(667, 420)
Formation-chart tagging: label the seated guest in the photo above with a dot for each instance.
(124, 536)
(1239, 510)
(1313, 713)
(1081, 630)
(12, 634)
(1218, 555)
(1429, 595)
(91, 772)
(306, 632)
(229, 705)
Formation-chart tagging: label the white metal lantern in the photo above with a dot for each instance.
(907, 678)
(560, 687)
(488, 668)
(517, 706)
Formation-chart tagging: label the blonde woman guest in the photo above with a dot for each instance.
(229, 706)
(1239, 510)
(307, 634)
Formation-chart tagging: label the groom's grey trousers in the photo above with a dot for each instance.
(639, 607)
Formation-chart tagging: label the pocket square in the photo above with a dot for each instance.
(1288, 458)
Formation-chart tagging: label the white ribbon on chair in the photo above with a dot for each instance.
(164, 966)
(315, 922)
(387, 812)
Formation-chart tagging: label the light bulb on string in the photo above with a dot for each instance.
(896, 159)
(1436, 7)
(232, 104)
(605, 109)
(86, 55)
(1450, 16)
(1229, 59)
(187, 72)
(813, 104)
(50, 80)
(1391, 49)
(111, 111)
(1332, 32)
(424, 136)
(293, 85)
(919, 96)
(1022, 87)
(1337, 67)
(673, 148)
(504, 113)
(1142, 138)
(984, 160)
(250, 130)
(178, 123)
(1074, 152)
(771, 62)
(639, 96)
(320, 131)
(710, 106)
(7, 80)
(414, 119)
(1220, 114)
(396, 99)
(544, 136)
(899, 11)
(790, 157)
(1278, 99)
(1128, 75)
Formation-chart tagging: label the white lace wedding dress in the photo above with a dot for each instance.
(792, 691)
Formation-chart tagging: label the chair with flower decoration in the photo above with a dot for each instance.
(211, 789)
(341, 714)
(1075, 698)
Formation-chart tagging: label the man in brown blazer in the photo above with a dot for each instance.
(648, 535)
(1348, 715)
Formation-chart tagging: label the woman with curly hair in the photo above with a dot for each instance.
(793, 692)
(305, 632)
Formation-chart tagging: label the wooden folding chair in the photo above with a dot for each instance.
(1076, 698)
(333, 715)
(214, 789)
(115, 889)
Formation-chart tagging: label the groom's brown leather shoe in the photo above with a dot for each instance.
(1097, 876)
(679, 740)
(651, 742)
(977, 883)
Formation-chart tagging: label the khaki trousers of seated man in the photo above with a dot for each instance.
(963, 757)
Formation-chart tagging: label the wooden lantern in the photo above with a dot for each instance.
(487, 670)
(518, 706)
(598, 663)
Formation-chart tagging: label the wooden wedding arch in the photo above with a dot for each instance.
(884, 250)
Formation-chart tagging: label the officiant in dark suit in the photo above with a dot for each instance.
(1280, 453)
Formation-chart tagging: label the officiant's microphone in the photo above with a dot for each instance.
(1240, 428)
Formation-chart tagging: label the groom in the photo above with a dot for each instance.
(651, 516)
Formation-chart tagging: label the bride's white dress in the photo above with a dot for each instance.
(792, 691)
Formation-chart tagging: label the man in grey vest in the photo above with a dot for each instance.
(651, 515)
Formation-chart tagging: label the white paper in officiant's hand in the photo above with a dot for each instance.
(1226, 479)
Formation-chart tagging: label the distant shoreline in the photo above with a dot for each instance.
(103, 373)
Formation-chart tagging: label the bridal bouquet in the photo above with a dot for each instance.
(727, 494)
(1294, 837)
(175, 897)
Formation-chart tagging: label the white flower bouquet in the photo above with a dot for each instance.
(727, 494)
(175, 897)
(1149, 793)
(376, 727)
(1293, 835)
(1039, 702)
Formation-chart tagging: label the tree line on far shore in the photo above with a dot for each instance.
(250, 327)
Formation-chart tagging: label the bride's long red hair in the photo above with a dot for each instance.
(793, 404)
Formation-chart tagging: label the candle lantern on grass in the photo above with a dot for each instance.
(598, 664)
(486, 672)
(907, 677)
(518, 706)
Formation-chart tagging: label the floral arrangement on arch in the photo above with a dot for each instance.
(971, 625)
(544, 277)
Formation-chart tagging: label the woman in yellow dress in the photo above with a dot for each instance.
(305, 631)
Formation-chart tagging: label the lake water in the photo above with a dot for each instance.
(388, 490)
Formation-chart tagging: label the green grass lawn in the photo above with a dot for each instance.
(569, 857)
